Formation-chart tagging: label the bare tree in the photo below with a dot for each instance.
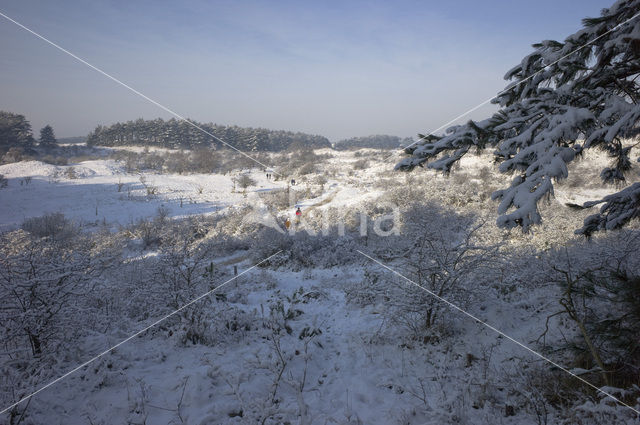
(186, 272)
(445, 253)
(440, 252)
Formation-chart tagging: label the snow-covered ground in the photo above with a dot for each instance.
(290, 347)
(347, 377)
(99, 191)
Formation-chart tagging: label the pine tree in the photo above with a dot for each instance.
(564, 97)
(15, 131)
(47, 137)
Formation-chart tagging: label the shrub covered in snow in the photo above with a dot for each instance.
(54, 226)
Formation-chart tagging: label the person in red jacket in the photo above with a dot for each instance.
(298, 215)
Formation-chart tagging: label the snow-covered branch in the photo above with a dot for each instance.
(563, 98)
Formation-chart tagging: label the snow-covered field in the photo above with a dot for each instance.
(315, 336)
(100, 191)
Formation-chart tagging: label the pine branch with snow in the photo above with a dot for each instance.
(564, 97)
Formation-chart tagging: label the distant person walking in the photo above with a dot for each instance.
(298, 215)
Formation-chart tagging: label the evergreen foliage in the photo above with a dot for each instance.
(15, 131)
(178, 134)
(47, 137)
(564, 97)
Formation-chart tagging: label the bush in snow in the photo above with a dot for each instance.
(185, 271)
(371, 290)
(55, 160)
(361, 164)
(54, 226)
(148, 231)
(152, 161)
(70, 173)
(302, 249)
(244, 181)
(440, 253)
(14, 154)
(308, 168)
(42, 286)
(205, 160)
(277, 200)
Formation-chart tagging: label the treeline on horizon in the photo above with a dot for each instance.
(178, 134)
(377, 141)
(15, 132)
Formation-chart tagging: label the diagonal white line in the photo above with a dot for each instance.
(134, 335)
(498, 331)
(159, 105)
(525, 79)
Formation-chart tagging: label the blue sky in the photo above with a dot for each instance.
(339, 69)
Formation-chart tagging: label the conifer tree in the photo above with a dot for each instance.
(563, 98)
(47, 137)
(15, 131)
